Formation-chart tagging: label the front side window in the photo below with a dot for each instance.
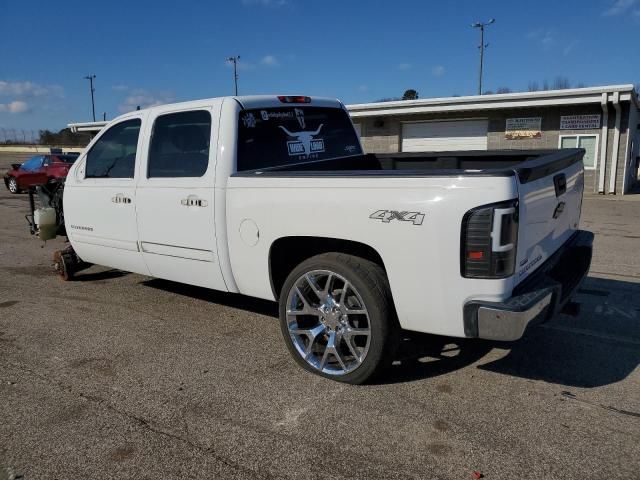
(114, 153)
(180, 145)
(269, 137)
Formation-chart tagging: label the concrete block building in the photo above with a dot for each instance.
(602, 120)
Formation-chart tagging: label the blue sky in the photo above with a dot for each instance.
(148, 52)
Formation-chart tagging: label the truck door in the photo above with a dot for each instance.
(175, 197)
(99, 199)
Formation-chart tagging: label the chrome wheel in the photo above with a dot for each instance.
(13, 185)
(328, 322)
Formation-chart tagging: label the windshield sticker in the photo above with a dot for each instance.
(249, 120)
(264, 115)
(304, 143)
(350, 148)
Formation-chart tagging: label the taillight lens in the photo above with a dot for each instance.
(489, 241)
(294, 99)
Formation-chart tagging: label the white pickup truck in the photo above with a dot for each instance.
(273, 197)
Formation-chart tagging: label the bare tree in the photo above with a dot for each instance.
(545, 84)
(561, 83)
(533, 86)
(503, 90)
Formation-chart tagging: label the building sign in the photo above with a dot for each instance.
(579, 122)
(526, 127)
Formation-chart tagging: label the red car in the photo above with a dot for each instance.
(37, 171)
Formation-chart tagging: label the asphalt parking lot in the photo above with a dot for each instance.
(117, 375)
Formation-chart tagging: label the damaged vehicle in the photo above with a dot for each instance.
(273, 197)
(38, 169)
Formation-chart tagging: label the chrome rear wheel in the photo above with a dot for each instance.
(328, 322)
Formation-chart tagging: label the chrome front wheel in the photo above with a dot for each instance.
(13, 185)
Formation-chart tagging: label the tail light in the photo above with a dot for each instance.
(294, 99)
(489, 241)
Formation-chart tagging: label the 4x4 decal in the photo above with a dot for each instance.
(387, 215)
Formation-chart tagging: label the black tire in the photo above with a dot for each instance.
(371, 283)
(12, 185)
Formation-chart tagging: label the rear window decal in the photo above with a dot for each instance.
(249, 120)
(304, 143)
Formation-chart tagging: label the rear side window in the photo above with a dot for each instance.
(271, 137)
(114, 153)
(180, 145)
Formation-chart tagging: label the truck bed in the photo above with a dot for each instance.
(527, 164)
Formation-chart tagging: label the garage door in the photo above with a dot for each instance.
(443, 136)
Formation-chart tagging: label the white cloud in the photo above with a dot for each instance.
(242, 65)
(545, 37)
(144, 99)
(270, 61)
(404, 66)
(264, 3)
(569, 47)
(120, 88)
(29, 89)
(17, 106)
(438, 71)
(621, 6)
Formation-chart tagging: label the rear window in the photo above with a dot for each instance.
(272, 137)
(180, 145)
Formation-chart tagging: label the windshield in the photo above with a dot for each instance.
(272, 137)
(34, 163)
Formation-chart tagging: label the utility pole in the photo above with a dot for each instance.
(93, 105)
(482, 46)
(235, 60)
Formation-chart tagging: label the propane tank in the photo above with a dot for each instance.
(45, 219)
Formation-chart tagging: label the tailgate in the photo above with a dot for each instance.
(550, 199)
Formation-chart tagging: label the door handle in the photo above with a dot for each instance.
(120, 198)
(193, 201)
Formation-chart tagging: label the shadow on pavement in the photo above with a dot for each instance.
(421, 356)
(102, 275)
(250, 304)
(599, 347)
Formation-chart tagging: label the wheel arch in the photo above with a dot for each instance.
(286, 253)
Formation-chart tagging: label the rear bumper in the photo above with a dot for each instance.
(536, 299)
